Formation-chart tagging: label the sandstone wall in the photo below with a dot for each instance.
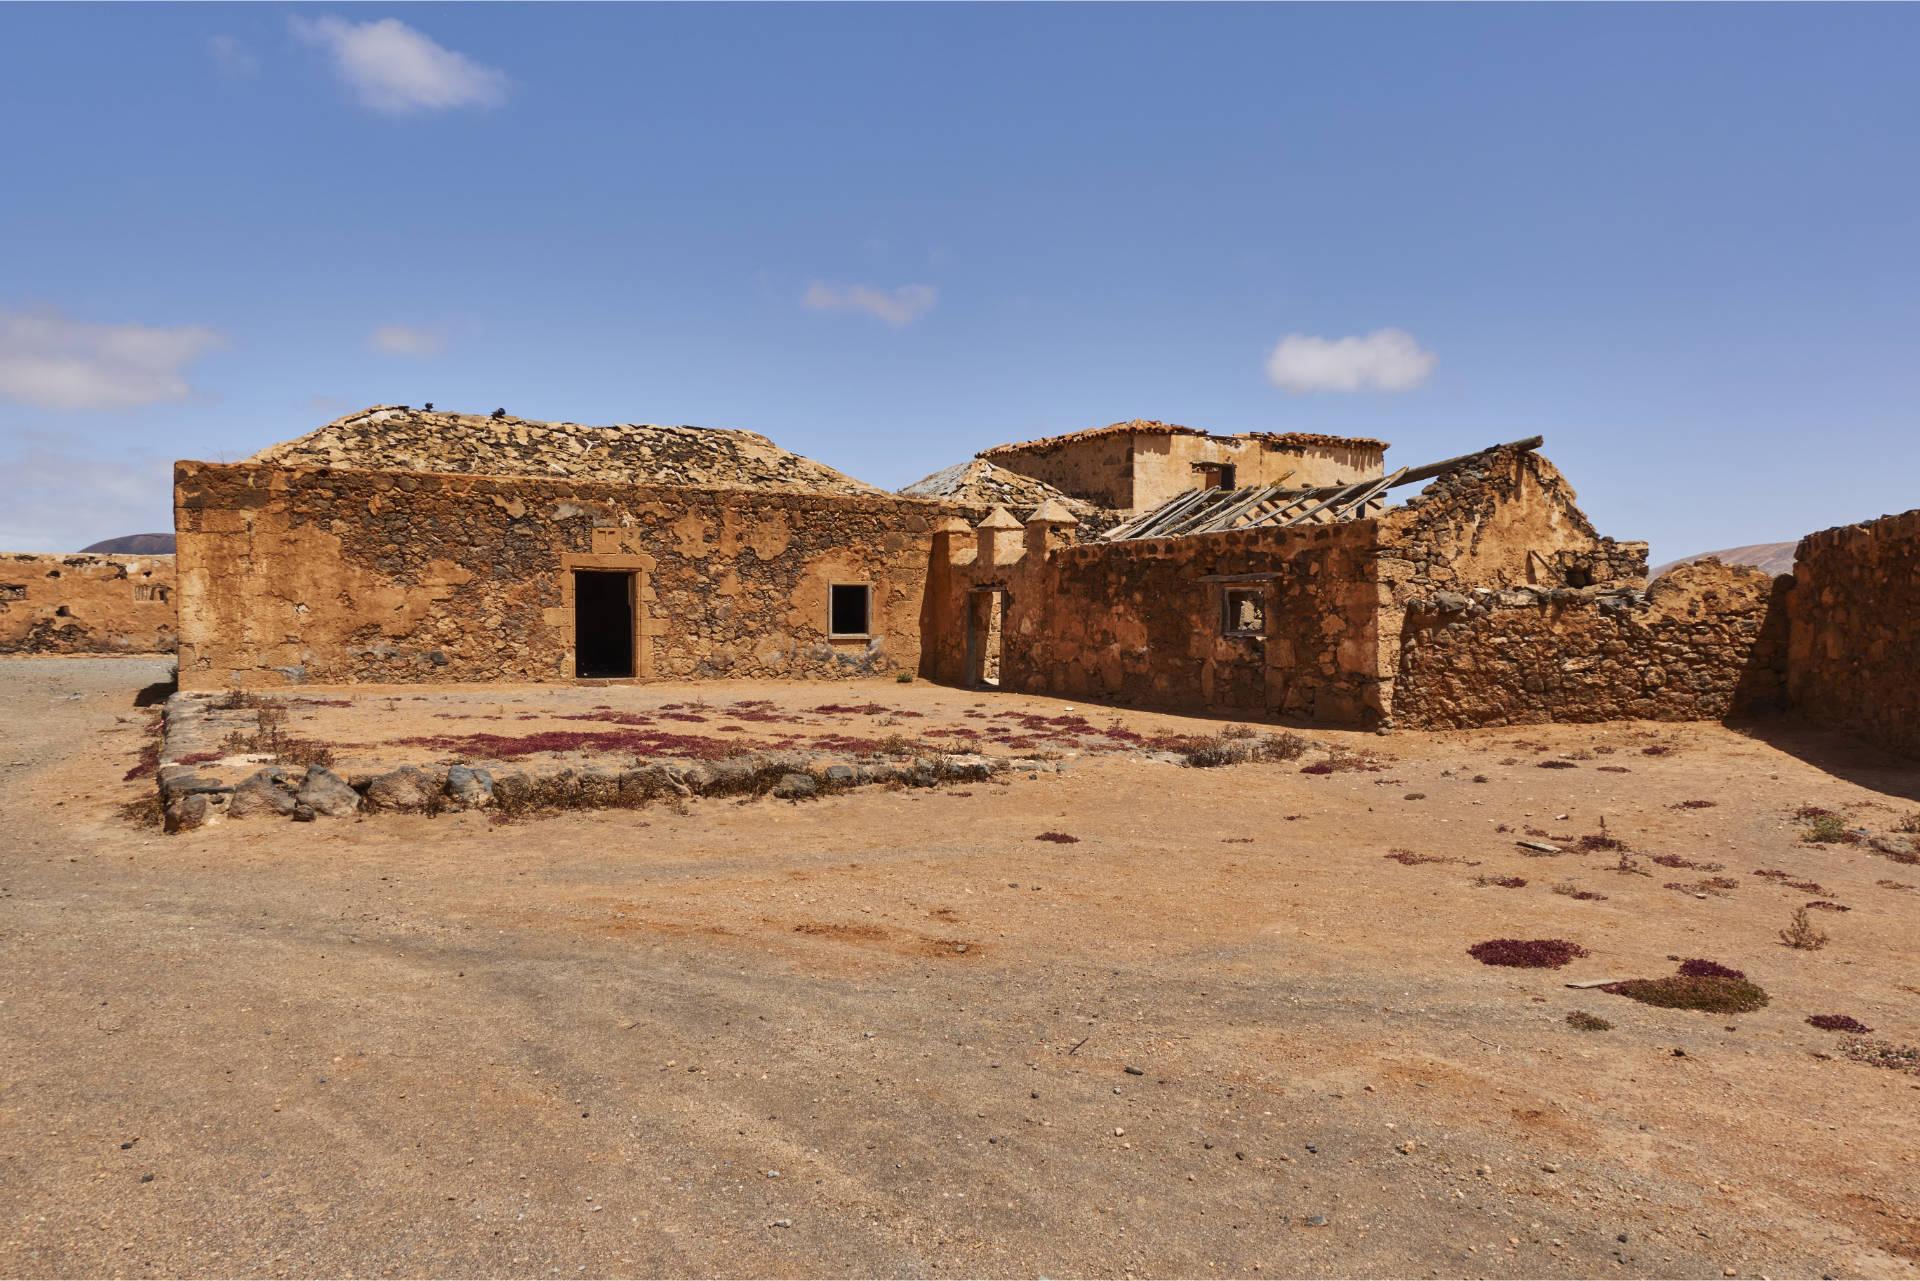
(307, 574)
(1140, 621)
(1854, 657)
(86, 604)
(1706, 640)
(1098, 468)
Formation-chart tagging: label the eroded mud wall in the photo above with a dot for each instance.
(302, 574)
(86, 604)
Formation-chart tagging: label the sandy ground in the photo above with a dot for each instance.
(744, 1039)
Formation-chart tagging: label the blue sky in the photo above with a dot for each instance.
(1682, 243)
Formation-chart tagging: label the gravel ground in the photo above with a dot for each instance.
(892, 1033)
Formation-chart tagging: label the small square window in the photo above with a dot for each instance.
(1246, 613)
(850, 610)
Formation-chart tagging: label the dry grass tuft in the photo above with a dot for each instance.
(1802, 933)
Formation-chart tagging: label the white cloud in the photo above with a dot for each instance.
(395, 69)
(401, 340)
(902, 306)
(1384, 360)
(55, 362)
(232, 57)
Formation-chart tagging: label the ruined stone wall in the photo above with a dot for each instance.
(1141, 621)
(1510, 521)
(308, 574)
(1163, 466)
(1854, 657)
(1096, 468)
(1706, 640)
(86, 604)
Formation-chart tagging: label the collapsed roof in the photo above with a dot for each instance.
(398, 438)
(981, 483)
(1209, 511)
(1154, 427)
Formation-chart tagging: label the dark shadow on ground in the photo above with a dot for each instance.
(157, 693)
(1835, 752)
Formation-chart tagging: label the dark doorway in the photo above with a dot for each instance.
(986, 638)
(602, 623)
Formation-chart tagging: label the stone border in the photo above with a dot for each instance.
(190, 798)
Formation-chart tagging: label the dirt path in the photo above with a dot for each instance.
(583, 1046)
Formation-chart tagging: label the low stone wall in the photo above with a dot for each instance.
(1854, 658)
(202, 781)
(86, 604)
(1700, 643)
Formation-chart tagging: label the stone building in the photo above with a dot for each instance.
(86, 604)
(1142, 563)
(1304, 601)
(406, 545)
(1135, 466)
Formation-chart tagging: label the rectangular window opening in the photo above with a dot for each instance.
(1245, 614)
(850, 610)
(602, 623)
(1229, 476)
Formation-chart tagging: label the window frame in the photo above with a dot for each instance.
(832, 589)
(1227, 595)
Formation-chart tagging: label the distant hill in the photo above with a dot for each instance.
(134, 545)
(1774, 558)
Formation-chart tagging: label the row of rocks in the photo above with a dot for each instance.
(190, 799)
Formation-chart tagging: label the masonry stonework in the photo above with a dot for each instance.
(86, 604)
(297, 574)
(1854, 657)
(1701, 643)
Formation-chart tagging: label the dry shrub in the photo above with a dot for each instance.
(1413, 858)
(1659, 749)
(1531, 954)
(1893, 885)
(1674, 860)
(1235, 748)
(1825, 905)
(1802, 933)
(1898, 1058)
(1058, 838)
(1698, 985)
(1503, 882)
(1837, 1023)
(1599, 841)
(144, 812)
(1615, 769)
(1588, 1022)
(1786, 879)
(1574, 892)
(1908, 822)
(1715, 885)
(1693, 805)
(1555, 764)
(1829, 829)
(1342, 763)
